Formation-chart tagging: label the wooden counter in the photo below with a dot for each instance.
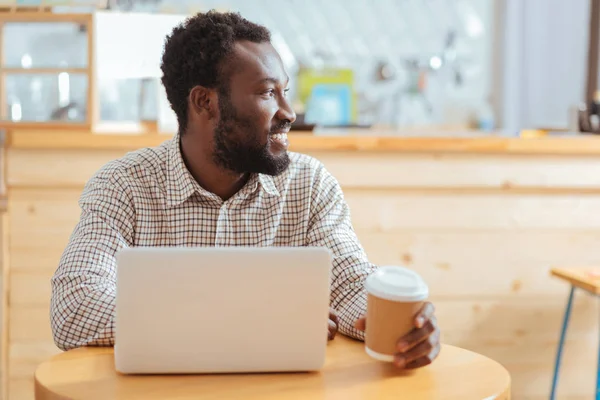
(482, 219)
(341, 140)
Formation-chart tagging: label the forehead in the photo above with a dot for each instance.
(254, 62)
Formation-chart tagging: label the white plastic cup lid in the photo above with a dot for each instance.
(397, 284)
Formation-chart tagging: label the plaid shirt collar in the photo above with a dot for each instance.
(181, 184)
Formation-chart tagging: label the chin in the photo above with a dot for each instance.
(277, 164)
(277, 154)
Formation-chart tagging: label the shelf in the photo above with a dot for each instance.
(39, 86)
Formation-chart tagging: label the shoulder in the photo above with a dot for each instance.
(132, 169)
(312, 174)
(303, 164)
(121, 179)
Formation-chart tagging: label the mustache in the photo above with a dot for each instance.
(284, 125)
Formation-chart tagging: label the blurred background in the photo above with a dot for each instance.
(457, 64)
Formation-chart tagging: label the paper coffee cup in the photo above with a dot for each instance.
(394, 296)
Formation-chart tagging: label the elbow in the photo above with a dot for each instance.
(61, 320)
(68, 334)
(59, 339)
(62, 329)
(61, 344)
(64, 322)
(74, 319)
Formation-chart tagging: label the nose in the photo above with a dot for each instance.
(285, 111)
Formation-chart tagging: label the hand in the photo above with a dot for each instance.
(333, 324)
(421, 345)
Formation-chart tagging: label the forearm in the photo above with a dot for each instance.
(82, 312)
(84, 289)
(84, 285)
(330, 226)
(351, 304)
(350, 271)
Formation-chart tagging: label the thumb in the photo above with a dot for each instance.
(361, 324)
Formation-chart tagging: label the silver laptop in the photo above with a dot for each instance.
(221, 310)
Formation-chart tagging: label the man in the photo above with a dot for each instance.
(226, 179)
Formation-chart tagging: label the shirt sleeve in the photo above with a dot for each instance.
(84, 285)
(330, 226)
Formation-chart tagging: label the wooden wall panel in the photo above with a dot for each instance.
(26, 355)
(484, 263)
(29, 323)
(396, 211)
(500, 320)
(30, 288)
(522, 334)
(61, 168)
(393, 170)
(4, 291)
(43, 221)
(21, 389)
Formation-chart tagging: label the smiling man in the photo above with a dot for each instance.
(226, 179)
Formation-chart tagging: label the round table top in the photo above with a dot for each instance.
(349, 373)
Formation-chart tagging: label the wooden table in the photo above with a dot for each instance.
(89, 373)
(587, 279)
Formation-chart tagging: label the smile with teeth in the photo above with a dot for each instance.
(279, 136)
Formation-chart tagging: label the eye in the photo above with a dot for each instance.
(285, 91)
(269, 93)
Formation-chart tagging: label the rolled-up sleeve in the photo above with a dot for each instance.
(330, 226)
(84, 285)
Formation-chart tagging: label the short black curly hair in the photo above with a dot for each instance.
(194, 53)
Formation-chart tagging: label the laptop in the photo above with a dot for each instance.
(191, 310)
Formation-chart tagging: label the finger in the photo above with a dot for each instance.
(333, 316)
(426, 313)
(423, 349)
(332, 330)
(361, 324)
(425, 360)
(416, 336)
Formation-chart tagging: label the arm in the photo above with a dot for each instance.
(84, 285)
(330, 226)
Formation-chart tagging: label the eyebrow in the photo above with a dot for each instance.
(273, 80)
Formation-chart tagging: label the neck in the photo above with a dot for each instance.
(197, 156)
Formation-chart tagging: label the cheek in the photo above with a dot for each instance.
(262, 116)
(266, 112)
(258, 116)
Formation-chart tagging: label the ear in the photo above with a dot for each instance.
(202, 100)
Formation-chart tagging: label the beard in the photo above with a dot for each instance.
(238, 147)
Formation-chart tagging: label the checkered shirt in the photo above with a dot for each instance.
(149, 198)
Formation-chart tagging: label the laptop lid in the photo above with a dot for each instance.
(229, 309)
